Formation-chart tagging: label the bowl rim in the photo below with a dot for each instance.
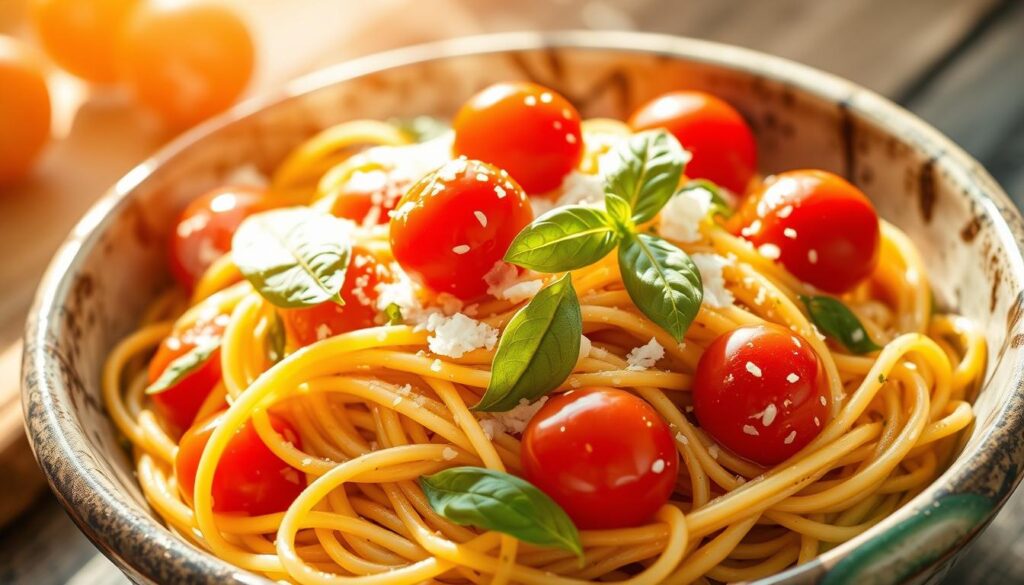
(71, 479)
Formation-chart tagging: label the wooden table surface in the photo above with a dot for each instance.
(959, 64)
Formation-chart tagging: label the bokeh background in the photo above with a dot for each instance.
(959, 64)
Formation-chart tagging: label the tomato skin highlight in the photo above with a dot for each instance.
(179, 404)
(24, 110)
(826, 230)
(204, 230)
(359, 291)
(527, 129)
(603, 454)
(760, 392)
(454, 225)
(250, 479)
(720, 140)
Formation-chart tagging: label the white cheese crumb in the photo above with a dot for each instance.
(645, 356)
(713, 451)
(790, 437)
(514, 421)
(580, 188)
(322, 332)
(490, 427)
(769, 251)
(480, 217)
(812, 256)
(769, 415)
(460, 249)
(505, 282)
(792, 378)
(520, 291)
(752, 229)
(449, 453)
(585, 347)
(857, 336)
(785, 211)
(458, 335)
(682, 438)
(750, 430)
(682, 215)
(822, 400)
(435, 366)
(716, 294)
(396, 401)
(817, 422)
(753, 369)
(658, 466)
(789, 233)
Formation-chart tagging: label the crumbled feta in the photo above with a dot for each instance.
(750, 430)
(753, 369)
(658, 466)
(481, 218)
(716, 294)
(769, 251)
(585, 347)
(458, 335)
(449, 453)
(682, 438)
(790, 437)
(682, 215)
(435, 366)
(770, 412)
(645, 356)
(514, 421)
(460, 249)
(520, 291)
(505, 282)
(580, 188)
(792, 378)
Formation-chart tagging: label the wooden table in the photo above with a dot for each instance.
(957, 63)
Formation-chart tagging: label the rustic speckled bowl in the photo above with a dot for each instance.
(113, 263)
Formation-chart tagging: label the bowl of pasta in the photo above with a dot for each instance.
(528, 308)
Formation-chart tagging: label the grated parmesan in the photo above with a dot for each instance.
(645, 356)
(716, 294)
(682, 215)
(514, 421)
(585, 348)
(505, 282)
(458, 335)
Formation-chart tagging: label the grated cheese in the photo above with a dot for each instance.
(645, 356)
(716, 294)
(514, 421)
(585, 348)
(505, 282)
(682, 215)
(458, 335)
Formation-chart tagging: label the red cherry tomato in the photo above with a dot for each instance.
(249, 478)
(604, 455)
(368, 197)
(824, 230)
(759, 392)
(179, 404)
(455, 223)
(526, 129)
(359, 292)
(717, 136)
(204, 231)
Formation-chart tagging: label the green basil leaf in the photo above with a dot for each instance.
(719, 206)
(501, 502)
(538, 349)
(646, 172)
(421, 128)
(563, 239)
(619, 211)
(394, 314)
(662, 280)
(275, 339)
(834, 319)
(295, 257)
(184, 365)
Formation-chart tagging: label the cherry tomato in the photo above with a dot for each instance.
(717, 136)
(309, 325)
(186, 60)
(604, 455)
(81, 35)
(179, 404)
(206, 227)
(454, 224)
(368, 197)
(822, 228)
(759, 391)
(250, 478)
(526, 129)
(24, 110)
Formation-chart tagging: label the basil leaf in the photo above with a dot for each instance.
(421, 128)
(394, 314)
(294, 257)
(834, 319)
(619, 211)
(563, 239)
(275, 339)
(662, 280)
(497, 501)
(719, 206)
(538, 349)
(646, 172)
(185, 364)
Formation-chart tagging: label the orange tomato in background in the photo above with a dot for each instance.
(24, 110)
(81, 35)
(186, 61)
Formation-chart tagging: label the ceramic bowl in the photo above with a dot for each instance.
(112, 265)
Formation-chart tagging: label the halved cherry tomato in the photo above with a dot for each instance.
(527, 129)
(179, 404)
(455, 223)
(359, 292)
(81, 35)
(24, 110)
(186, 60)
(604, 455)
(368, 197)
(250, 478)
(205, 228)
(820, 227)
(722, 145)
(759, 391)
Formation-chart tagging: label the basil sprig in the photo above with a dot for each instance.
(497, 501)
(295, 257)
(185, 364)
(834, 319)
(660, 278)
(538, 349)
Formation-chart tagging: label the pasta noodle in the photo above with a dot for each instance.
(375, 410)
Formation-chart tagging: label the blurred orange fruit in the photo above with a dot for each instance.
(24, 110)
(81, 35)
(186, 61)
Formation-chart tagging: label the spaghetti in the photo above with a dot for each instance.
(371, 410)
